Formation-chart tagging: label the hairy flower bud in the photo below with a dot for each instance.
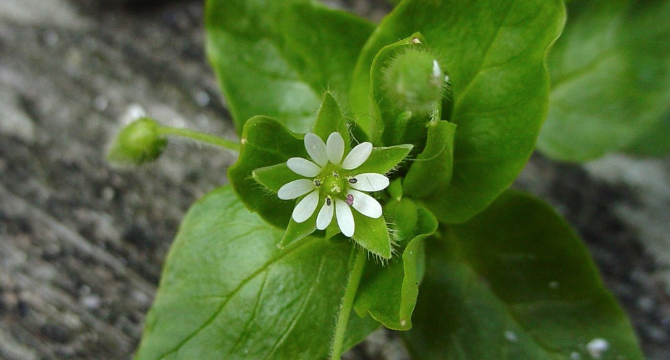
(414, 81)
(137, 143)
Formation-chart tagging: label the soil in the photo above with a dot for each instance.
(82, 243)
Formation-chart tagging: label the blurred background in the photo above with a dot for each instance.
(82, 243)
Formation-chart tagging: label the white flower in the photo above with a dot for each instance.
(332, 181)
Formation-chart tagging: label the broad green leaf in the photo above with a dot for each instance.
(515, 282)
(388, 290)
(494, 54)
(228, 292)
(265, 142)
(654, 141)
(431, 170)
(610, 74)
(275, 58)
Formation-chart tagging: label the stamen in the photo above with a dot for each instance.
(350, 200)
(353, 180)
(328, 201)
(317, 182)
(335, 175)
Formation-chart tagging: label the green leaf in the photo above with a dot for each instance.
(275, 58)
(265, 142)
(494, 54)
(228, 292)
(610, 74)
(431, 170)
(388, 291)
(515, 282)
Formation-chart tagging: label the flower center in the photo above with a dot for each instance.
(331, 183)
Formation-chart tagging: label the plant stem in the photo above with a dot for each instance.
(348, 303)
(206, 138)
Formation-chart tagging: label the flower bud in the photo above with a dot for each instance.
(137, 143)
(414, 81)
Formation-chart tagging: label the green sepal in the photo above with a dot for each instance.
(515, 282)
(383, 160)
(297, 231)
(275, 176)
(431, 170)
(388, 291)
(265, 142)
(372, 235)
(330, 119)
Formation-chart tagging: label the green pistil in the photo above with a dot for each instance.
(331, 183)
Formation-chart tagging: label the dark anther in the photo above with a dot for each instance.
(335, 175)
(328, 201)
(353, 180)
(317, 182)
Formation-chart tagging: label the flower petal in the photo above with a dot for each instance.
(325, 215)
(295, 189)
(335, 148)
(303, 167)
(369, 182)
(306, 207)
(316, 149)
(357, 156)
(366, 204)
(345, 219)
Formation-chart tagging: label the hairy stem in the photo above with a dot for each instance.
(206, 138)
(348, 303)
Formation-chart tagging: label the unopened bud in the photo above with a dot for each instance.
(414, 81)
(137, 143)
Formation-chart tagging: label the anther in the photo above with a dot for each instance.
(350, 200)
(317, 182)
(328, 201)
(353, 180)
(335, 175)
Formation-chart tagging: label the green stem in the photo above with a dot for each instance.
(348, 303)
(206, 138)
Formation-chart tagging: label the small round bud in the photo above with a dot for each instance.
(137, 143)
(414, 81)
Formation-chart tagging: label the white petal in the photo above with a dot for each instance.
(295, 189)
(345, 219)
(316, 149)
(306, 207)
(303, 167)
(335, 148)
(366, 204)
(370, 182)
(357, 156)
(325, 216)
